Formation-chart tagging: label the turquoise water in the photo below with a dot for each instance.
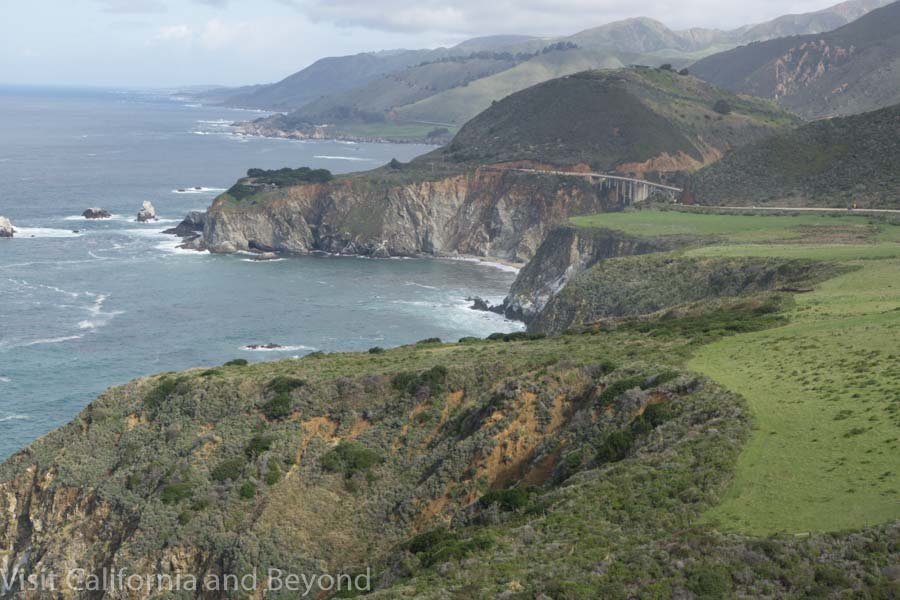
(80, 312)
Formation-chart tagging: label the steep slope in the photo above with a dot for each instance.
(809, 23)
(461, 198)
(853, 69)
(427, 471)
(632, 120)
(462, 103)
(326, 76)
(827, 163)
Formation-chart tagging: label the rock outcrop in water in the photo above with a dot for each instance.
(96, 213)
(6, 228)
(147, 212)
(486, 212)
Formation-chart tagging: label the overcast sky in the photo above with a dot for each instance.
(184, 42)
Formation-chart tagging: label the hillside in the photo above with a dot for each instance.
(404, 95)
(569, 467)
(850, 70)
(632, 120)
(826, 163)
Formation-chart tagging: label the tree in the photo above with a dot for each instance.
(684, 72)
(723, 107)
(665, 67)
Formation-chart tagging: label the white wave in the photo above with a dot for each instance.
(353, 158)
(202, 190)
(56, 340)
(5, 379)
(487, 263)
(216, 122)
(421, 285)
(43, 232)
(193, 105)
(281, 349)
(254, 260)
(14, 418)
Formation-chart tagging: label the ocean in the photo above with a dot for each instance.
(85, 305)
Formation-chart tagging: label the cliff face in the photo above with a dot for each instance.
(485, 212)
(566, 252)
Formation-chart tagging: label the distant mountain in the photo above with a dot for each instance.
(405, 94)
(832, 162)
(632, 120)
(853, 69)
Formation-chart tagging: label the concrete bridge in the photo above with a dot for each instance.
(628, 189)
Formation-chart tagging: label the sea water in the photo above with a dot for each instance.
(85, 305)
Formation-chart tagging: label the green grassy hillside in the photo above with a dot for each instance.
(612, 119)
(827, 163)
(821, 383)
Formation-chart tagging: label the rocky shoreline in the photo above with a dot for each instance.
(322, 132)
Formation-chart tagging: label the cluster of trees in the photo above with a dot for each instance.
(287, 176)
(517, 57)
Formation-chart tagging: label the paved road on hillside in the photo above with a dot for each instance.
(808, 209)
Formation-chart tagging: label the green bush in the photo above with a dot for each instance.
(273, 472)
(432, 340)
(614, 446)
(248, 491)
(166, 387)
(723, 107)
(376, 350)
(287, 177)
(710, 582)
(176, 492)
(257, 445)
(410, 382)
(237, 362)
(516, 336)
(617, 388)
(441, 545)
(284, 384)
(228, 469)
(351, 457)
(508, 500)
(278, 407)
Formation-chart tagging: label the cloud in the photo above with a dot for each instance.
(174, 33)
(132, 6)
(552, 17)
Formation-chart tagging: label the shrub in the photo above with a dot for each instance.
(508, 500)
(723, 107)
(684, 72)
(395, 164)
(228, 469)
(617, 388)
(278, 407)
(665, 67)
(409, 382)
(165, 388)
(237, 362)
(176, 492)
(257, 445)
(710, 582)
(350, 458)
(516, 336)
(441, 545)
(248, 491)
(273, 472)
(376, 350)
(431, 340)
(469, 340)
(615, 446)
(284, 384)
(287, 176)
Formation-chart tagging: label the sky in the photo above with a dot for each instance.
(170, 43)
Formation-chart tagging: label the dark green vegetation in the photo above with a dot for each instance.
(259, 180)
(850, 70)
(834, 162)
(610, 119)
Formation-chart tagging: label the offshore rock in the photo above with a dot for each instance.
(6, 228)
(147, 212)
(191, 225)
(96, 213)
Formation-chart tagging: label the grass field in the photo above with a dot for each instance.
(824, 389)
(736, 228)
